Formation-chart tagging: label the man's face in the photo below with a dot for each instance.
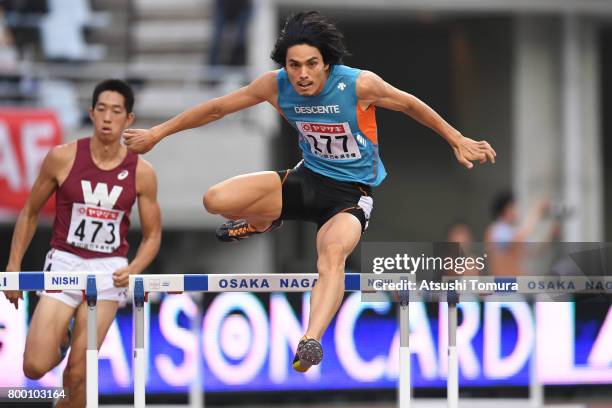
(306, 70)
(109, 116)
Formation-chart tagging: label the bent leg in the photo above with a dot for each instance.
(256, 197)
(335, 242)
(47, 331)
(75, 373)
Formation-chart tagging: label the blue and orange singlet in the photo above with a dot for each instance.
(338, 139)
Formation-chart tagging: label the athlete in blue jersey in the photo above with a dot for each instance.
(332, 107)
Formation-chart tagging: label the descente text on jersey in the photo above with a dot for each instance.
(317, 109)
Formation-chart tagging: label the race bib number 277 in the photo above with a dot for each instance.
(95, 228)
(333, 141)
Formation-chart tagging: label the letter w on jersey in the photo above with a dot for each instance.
(100, 196)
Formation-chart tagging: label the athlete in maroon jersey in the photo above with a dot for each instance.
(96, 181)
(91, 196)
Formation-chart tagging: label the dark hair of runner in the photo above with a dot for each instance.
(310, 27)
(118, 86)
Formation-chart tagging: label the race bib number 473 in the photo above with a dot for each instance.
(94, 228)
(333, 141)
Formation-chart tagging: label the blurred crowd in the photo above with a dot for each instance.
(508, 235)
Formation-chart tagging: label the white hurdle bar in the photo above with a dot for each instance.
(57, 282)
(142, 285)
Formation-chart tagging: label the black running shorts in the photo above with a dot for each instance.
(309, 196)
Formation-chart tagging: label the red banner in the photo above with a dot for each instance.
(26, 135)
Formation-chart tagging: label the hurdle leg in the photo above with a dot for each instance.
(405, 389)
(139, 345)
(196, 397)
(91, 359)
(139, 359)
(452, 383)
(536, 390)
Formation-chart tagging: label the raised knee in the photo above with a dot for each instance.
(32, 370)
(213, 200)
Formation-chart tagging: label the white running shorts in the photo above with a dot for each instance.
(64, 261)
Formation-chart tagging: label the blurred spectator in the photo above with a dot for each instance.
(231, 20)
(505, 227)
(506, 235)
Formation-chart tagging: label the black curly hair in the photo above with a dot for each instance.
(310, 27)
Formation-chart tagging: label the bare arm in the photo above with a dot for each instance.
(150, 222)
(44, 185)
(260, 90)
(373, 90)
(27, 221)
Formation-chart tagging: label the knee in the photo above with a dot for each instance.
(213, 200)
(331, 260)
(32, 369)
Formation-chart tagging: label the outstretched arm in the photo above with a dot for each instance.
(373, 90)
(261, 89)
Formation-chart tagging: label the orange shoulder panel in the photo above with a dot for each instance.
(366, 120)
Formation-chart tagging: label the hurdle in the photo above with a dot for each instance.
(142, 285)
(57, 282)
(452, 377)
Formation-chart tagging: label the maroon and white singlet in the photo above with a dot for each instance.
(93, 206)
